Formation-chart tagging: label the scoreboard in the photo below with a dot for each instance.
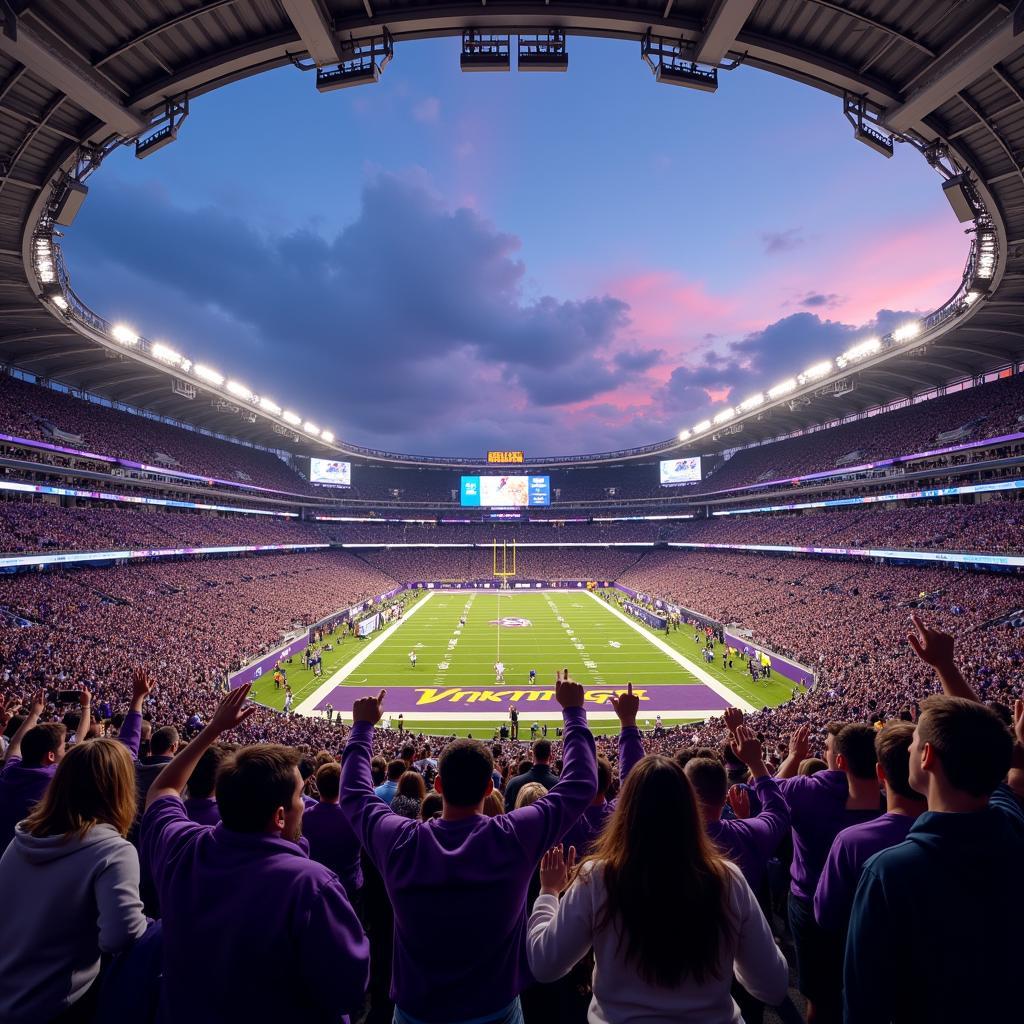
(506, 457)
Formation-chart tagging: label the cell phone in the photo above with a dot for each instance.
(65, 696)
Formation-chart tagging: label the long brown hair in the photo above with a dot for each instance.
(667, 885)
(94, 785)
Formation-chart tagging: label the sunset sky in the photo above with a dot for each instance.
(443, 263)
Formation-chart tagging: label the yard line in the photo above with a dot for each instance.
(708, 680)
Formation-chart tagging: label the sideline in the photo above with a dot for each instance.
(308, 706)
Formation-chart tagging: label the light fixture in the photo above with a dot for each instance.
(684, 435)
(752, 402)
(815, 372)
(311, 428)
(165, 354)
(208, 374)
(124, 335)
(268, 406)
(782, 389)
(702, 426)
(239, 390)
(724, 416)
(907, 331)
(60, 302)
(290, 417)
(861, 350)
(326, 435)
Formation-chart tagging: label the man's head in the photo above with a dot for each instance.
(396, 769)
(43, 745)
(408, 753)
(378, 770)
(708, 778)
(854, 748)
(832, 730)
(892, 749)
(165, 742)
(259, 790)
(542, 751)
(604, 776)
(959, 746)
(464, 773)
(203, 780)
(328, 782)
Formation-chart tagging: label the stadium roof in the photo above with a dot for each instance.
(76, 78)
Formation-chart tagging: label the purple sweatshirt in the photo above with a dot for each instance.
(21, 789)
(584, 833)
(333, 843)
(202, 810)
(242, 906)
(817, 811)
(750, 842)
(833, 899)
(458, 888)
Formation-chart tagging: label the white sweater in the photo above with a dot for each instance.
(560, 933)
(64, 902)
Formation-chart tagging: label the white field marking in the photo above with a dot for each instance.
(708, 680)
(543, 716)
(308, 706)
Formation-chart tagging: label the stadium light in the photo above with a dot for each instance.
(815, 372)
(752, 402)
(724, 416)
(290, 417)
(60, 302)
(684, 435)
(907, 331)
(861, 350)
(239, 390)
(782, 389)
(124, 335)
(972, 297)
(165, 354)
(326, 435)
(702, 426)
(208, 374)
(268, 406)
(311, 428)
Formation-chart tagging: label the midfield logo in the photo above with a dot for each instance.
(511, 622)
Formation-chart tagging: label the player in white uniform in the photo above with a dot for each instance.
(499, 671)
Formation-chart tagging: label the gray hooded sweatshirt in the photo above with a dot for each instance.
(65, 901)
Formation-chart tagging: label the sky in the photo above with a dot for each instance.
(443, 263)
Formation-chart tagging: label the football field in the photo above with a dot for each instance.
(458, 637)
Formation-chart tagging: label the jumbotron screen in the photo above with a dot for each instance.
(680, 471)
(330, 471)
(506, 491)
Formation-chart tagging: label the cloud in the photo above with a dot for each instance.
(821, 300)
(427, 110)
(782, 241)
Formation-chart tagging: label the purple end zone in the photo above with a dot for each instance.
(496, 699)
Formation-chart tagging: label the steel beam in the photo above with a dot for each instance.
(314, 30)
(722, 28)
(955, 70)
(76, 80)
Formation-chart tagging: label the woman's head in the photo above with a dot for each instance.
(530, 794)
(654, 852)
(411, 784)
(494, 804)
(94, 785)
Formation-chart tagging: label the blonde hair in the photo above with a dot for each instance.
(94, 785)
(494, 804)
(530, 794)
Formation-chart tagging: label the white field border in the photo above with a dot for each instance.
(308, 706)
(734, 699)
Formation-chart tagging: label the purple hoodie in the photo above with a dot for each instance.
(458, 888)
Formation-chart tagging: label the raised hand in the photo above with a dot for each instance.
(733, 718)
(626, 706)
(739, 801)
(143, 685)
(232, 711)
(7, 711)
(568, 693)
(84, 697)
(747, 747)
(369, 709)
(800, 743)
(555, 868)
(932, 646)
(38, 704)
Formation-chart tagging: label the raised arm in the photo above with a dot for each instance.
(559, 933)
(766, 828)
(173, 779)
(376, 825)
(799, 746)
(1015, 780)
(631, 747)
(85, 716)
(35, 709)
(935, 648)
(542, 824)
(130, 733)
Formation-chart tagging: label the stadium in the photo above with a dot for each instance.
(768, 670)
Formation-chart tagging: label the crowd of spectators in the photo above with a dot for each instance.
(554, 532)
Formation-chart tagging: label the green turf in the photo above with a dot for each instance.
(612, 653)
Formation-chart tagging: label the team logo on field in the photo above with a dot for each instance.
(511, 622)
